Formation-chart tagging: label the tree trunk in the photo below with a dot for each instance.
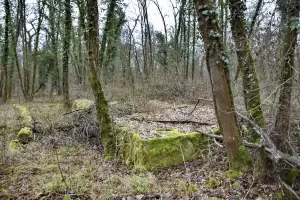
(166, 36)
(5, 52)
(246, 62)
(36, 43)
(290, 19)
(107, 28)
(217, 63)
(250, 82)
(66, 50)
(106, 133)
(54, 30)
(194, 45)
(177, 33)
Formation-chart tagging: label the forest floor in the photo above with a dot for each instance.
(62, 162)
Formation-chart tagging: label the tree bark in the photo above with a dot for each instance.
(66, 50)
(106, 133)
(5, 77)
(290, 19)
(250, 82)
(246, 62)
(36, 43)
(217, 63)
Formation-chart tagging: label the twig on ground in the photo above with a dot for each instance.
(199, 99)
(173, 121)
(182, 122)
(287, 187)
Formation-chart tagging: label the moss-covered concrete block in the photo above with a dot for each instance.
(25, 135)
(25, 115)
(15, 145)
(81, 104)
(149, 154)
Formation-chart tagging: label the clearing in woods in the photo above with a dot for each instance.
(65, 161)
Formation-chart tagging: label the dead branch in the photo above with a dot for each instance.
(199, 99)
(287, 187)
(220, 137)
(274, 154)
(182, 122)
(259, 131)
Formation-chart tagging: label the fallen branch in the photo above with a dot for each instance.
(275, 153)
(259, 131)
(200, 99)
(182, 122)
(220, 137)
(287, 187)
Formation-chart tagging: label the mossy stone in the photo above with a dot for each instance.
(25, 135)
(25, 115)
(67, 197)
(15, 145)
(149, 154)
(81, 104)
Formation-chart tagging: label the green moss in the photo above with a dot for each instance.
(289, 176)
(278, 196)
(173, 132)
(25, 115)
(107, 158)
(242, 161)
(81, 104)
(25, 135)
(192, 188)
(15, 145)
(236, 185)
(67, 197)
(233, 174)
(149, 154)
(216, 131)
(212, 183)
(189, 188)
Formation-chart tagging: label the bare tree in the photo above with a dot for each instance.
(290, 19)
(66, 51)
(217, 63)
(106, 131)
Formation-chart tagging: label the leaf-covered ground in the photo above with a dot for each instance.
(60, 162)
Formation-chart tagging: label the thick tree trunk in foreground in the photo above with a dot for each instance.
(290, 17)
(216, 60)
(106, 132)
(66, 50)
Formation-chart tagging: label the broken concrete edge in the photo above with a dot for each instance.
(149, 154)
(154, 153)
